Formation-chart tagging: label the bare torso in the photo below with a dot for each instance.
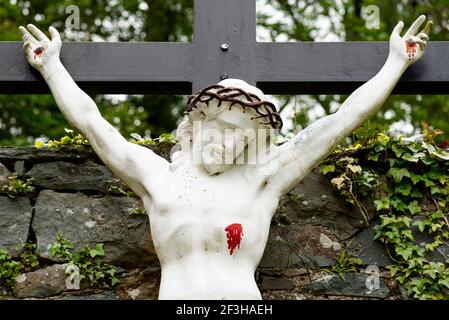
(189, 214)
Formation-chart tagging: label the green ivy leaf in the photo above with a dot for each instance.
(420, 224)
(434, 174)
(398, 151)
(427, 160)
(383, 139)
(412, 158)
(398, 204)
(382, 204)
(404, 189)
(98, 251)
(434, 190)
(374, 156)
(328, 168)
(415, 178)
(444, 282)
(416, 193)
(114, 281)
(408, 233)
(415, 148)
(413, 207)
(443, 155)
(398, 174)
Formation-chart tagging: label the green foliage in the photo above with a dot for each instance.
(11, 267)
(29, 258)
(163, 138)
(345, 263)
(412, 199)
(62, 248)
(136, 211)
(78, 141)
(18, 186)
(72, 140)
(95, 272)
(351, 180)
(120, 191)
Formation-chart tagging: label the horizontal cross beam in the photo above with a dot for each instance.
(183, 68)
(102, 67)
(341, 67)
(281, 68)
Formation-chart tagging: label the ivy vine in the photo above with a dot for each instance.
(407, 180)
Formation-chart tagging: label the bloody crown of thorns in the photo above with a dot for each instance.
(236, 96)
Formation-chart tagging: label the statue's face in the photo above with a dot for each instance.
(222, 139)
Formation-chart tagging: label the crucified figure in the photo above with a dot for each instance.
(211, 206)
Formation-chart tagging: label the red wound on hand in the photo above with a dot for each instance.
(234, 234)
(38, 52)
(411, 49)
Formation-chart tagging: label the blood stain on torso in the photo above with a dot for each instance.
(234, 233)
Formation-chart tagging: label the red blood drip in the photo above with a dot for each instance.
(234, 234)
(411, 49)
(38, 52)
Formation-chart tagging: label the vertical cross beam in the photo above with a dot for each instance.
(217, 22)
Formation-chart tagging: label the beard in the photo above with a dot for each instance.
(213, 157)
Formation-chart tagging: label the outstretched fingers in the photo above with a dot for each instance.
(39, 35)
(428, 28)
(27, 36)
(54, 34)
(415, 26)
(399, 27)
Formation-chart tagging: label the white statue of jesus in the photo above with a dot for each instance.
(209, 216)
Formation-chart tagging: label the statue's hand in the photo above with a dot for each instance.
(39, 50)
(412, 46)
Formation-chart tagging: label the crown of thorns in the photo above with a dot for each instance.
(264, 109)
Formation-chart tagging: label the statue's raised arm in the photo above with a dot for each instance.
(132, 163)
(305, 151)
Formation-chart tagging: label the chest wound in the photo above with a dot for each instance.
(234, 233)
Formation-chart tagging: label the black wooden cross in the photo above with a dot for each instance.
(224, 45)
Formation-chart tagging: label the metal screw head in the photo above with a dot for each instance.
(224, 47)
(224, 76)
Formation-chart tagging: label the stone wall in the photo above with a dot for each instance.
(75, 197)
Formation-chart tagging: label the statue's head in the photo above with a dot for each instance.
(224, 120)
